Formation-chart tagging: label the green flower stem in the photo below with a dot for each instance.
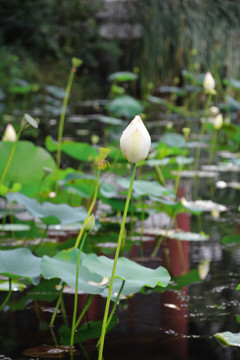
(10, 157)
(115, 304)
(177, 181)
(213, 144)
(76, 291)
(63, 114)
(89, 301)
(202, 132)
(114, 308)
(104, 325)
(159, 175)
(57, 306)
(89, 211)
(8, 295)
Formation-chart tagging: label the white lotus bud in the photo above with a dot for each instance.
(135, 141)
(213, 110)
(218, 121)
(9, 134)
(209, 83)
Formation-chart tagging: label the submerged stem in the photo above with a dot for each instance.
(105, 318)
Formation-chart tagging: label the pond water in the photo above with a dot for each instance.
(175, 324)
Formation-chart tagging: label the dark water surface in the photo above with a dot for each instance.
(177, 324)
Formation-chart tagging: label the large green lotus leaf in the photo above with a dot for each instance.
(63, 266)
(135, 276)
(62, 213)
(228, 338)
(27, 166)
(79, 151)
(20, 263)
(125, 106)
(142, 187)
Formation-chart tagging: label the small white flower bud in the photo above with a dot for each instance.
(209, 83)
(9, 134)
(135, 141)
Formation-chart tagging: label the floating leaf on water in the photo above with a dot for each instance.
(172, 90)
(123, 76)
(160, 162)
(176, 234)
(221, 184)
(221, 167)
(231, 184)
(79, 119)
(228, 338)
(14, 227)
(192, 174)
(204, 205)
(188, 236)
(182, 160)
(228, 154)
(50, 351)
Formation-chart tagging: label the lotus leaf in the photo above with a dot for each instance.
(142, 187)
(125, 106)
(63, 266)
(135, 276)
(27, 166)
(123, 76)
(20, 263)
(79, 151)
(63, 213)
